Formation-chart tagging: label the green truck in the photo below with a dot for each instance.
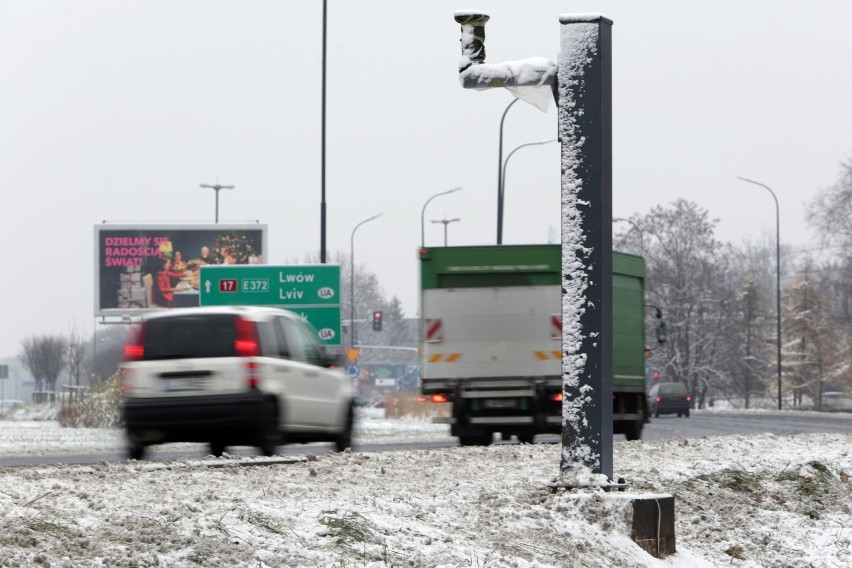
(491, 336)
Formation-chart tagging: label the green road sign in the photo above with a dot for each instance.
(241, 284)
(310, 290)
(325, 319)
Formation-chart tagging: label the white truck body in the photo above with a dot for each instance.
(491, 332)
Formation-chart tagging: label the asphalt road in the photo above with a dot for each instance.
(698, 424)
(722, 423)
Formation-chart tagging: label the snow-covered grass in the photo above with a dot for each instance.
(758, 500)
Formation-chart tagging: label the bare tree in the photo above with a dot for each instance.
(77, 348)
(44, 356)
(818, 351)
(107, 351)
(831, 214)
(688, 279)
(831, 210)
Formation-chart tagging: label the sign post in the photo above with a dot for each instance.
(312, 291)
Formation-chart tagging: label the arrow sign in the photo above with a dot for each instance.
(207, 286)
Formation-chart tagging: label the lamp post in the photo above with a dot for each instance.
(423, 214)
(352, 278)
(500, 206)
(216, 188)
(322, 128)
(500, 176)
(446, 222)
(777, 275)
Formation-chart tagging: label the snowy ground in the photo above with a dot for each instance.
(758, 500)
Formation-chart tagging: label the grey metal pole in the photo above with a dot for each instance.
(322, 151)
(352, 280)
(216, 188)
(445, 222)
(423, 214)
(777, 277)
(500, 176)
(585, 130)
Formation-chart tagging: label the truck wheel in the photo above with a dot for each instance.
(633, 430)
(526, 438)
(476, 440)
(344, 439)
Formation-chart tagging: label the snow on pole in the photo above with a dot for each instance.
(532, 80)
(472, 37)
(582, 85)
(585, 131)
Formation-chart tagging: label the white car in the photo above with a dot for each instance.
(232, 376)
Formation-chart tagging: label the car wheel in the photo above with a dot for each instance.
(657, 414)
(686, 413)
(476, 440)
(268, 435)
(135, 449)
(344, 439)
(679, 414)
(217, 448)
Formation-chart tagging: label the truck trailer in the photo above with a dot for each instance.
(491, 334)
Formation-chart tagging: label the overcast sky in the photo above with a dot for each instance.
(119, 110)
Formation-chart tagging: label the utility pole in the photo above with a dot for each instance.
(216, 188)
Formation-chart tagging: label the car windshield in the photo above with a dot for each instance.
(191, 336)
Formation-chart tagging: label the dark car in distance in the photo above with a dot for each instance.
(669, 398)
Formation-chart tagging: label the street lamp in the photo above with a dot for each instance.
(423, 214)
(500, 207)
(446, 222)
(500, 177)
(777, 275)
(216, 188)
(352, 279)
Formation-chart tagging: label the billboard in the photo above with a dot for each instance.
(149, 267)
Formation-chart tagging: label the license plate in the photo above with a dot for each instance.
(177, 385)
(500, 403)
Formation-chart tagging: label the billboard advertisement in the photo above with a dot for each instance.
(150, 267)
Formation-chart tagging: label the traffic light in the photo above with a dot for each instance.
(377, 321)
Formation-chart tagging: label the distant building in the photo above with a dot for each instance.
(20, 384)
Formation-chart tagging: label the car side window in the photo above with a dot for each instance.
(302, 346)
(312, 349)
(268, 341)
(281, 340)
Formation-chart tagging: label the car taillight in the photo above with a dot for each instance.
(556, 397)
(658, 399)
(688, 399)
(134, 349)
(439, 397)
(245, 343)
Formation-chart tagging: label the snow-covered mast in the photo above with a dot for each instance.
(581, 83)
